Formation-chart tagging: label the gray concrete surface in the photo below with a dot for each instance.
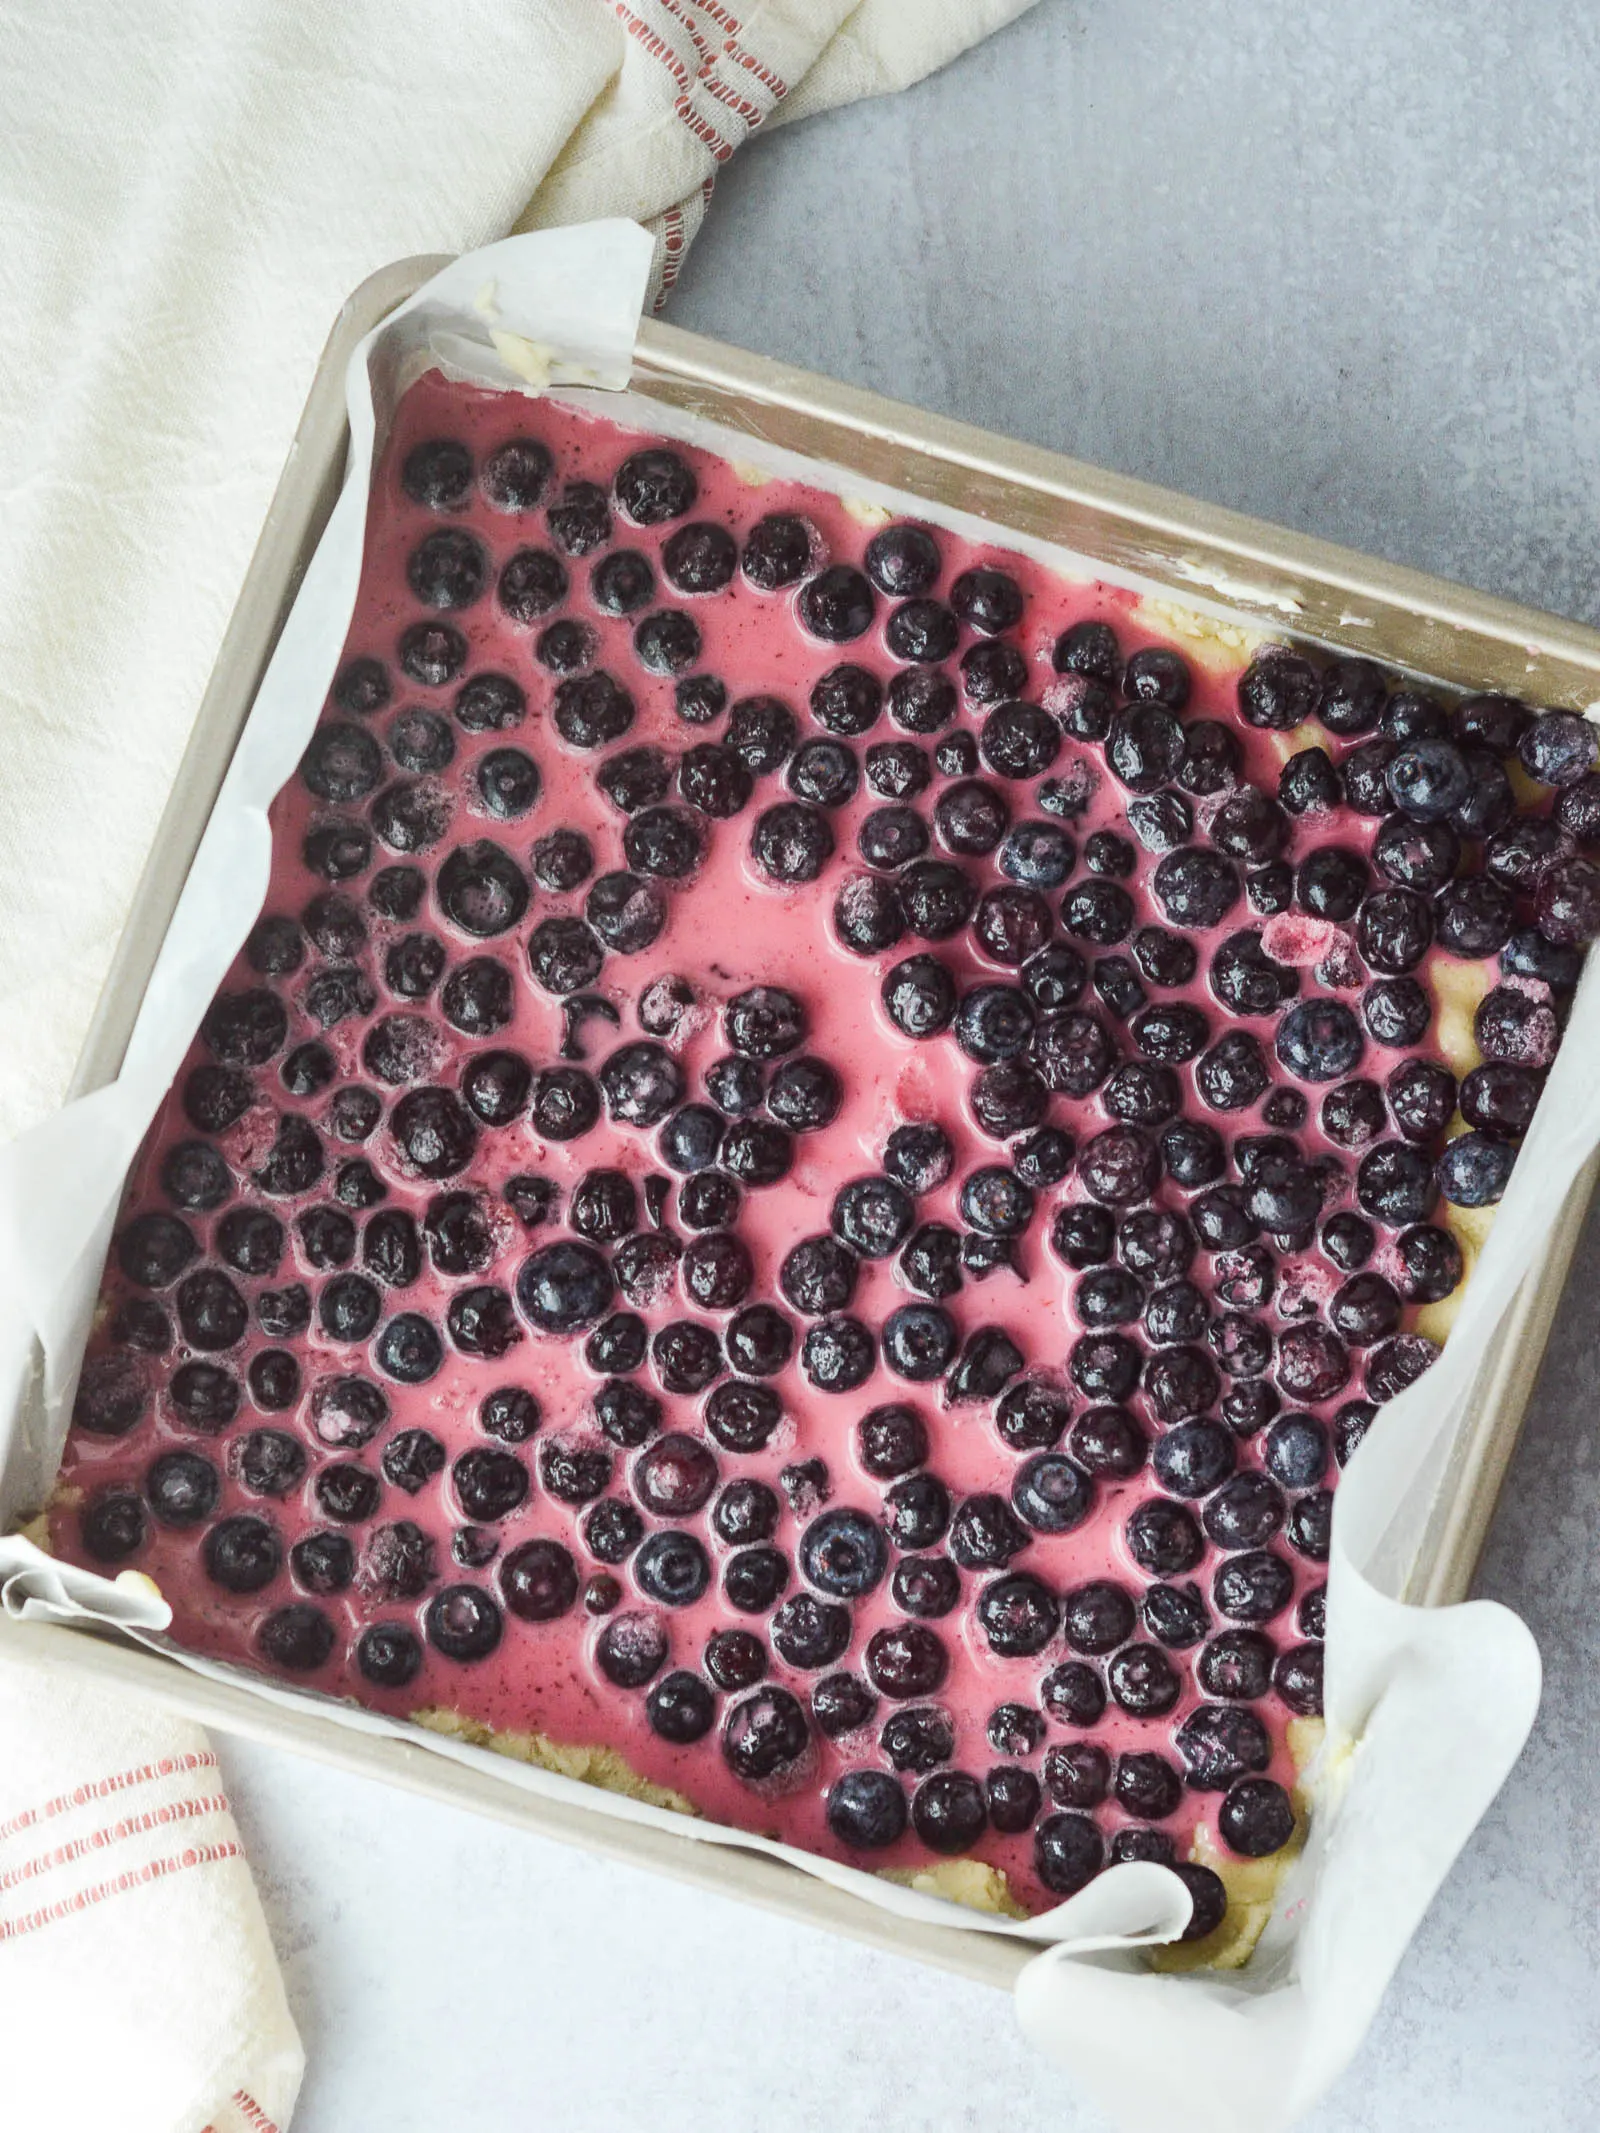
(1335, 264)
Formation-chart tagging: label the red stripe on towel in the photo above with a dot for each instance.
(215, 1803)
(136, 1877)
(661, 48)
(81, 1795)
(736, 52)
(251, 2112)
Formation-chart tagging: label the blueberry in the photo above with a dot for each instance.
(1147, 1785)
(765, 1736)
(777, 552)
(1220, 1744)
(792, 842)
(1244, 1513)
(1428, 779)
(242, 1554)
(1422, 1097)
(837, 1354)
(948, 1812)
(140, 1324)
(844, 1554)
(1255, 1818)
(1568, 902)
(838, 604)
(1077, 1774)
(1500, 1099)
(1110, 854)
(1578, 809)
(919, 1342)
(1474, 1171)
(211, 1312)
(1163, 1538)
(1085, 709)
(687, 1356)
(699, 558)
(903, 561)
(931, 1263)
(760, 1341)
(564, 1288)
(825, 773)
(1153, 1847)
(1145, 746)
(183, 1488)
(1351, 697)
(1252, 1587)
(570, 647)
(1495, 722)
(1310, 1528)
(1158, 676)
(922, 703)
(919, 996)
(1249, 826)
(1018, 1615)
(1161, 821)
(1019, 741)
(432, 653)
(1195, 887)
(421, 741)
(1232, 1075)
(298, 1638)
(868, 915)
(1211, 758)
(896, 770)
(917, 1511)
(1044, 1158)
(1089, 648)
(1489, 803)
(757, 1153)
(1068, 1851)
(324, 1563)
(627, 1414)
(112, 1526)
(1175, 1615)
(1308, 784)
(1397, 1364)
(1320, 1040)
(448, 569)
(922, 630)
(205, 1396)
(1246, 979)
(1107, 1440)
(808, 1633)
(818, 1276)
(989, 1361)
(716, 1270)
(1193, 1458)
(363, 686)
(1297, 1677)
(1557, 748)
(274, 947)
(481, 889)
(437, 473)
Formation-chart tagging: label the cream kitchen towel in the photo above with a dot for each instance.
(138, 1987)
(188, 189)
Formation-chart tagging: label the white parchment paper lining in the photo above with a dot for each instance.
(1427, 1710)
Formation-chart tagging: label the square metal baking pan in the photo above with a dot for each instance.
(1265, 577)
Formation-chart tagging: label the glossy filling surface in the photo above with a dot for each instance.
(824, 1146)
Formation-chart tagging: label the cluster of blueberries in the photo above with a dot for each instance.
(1077, 1010)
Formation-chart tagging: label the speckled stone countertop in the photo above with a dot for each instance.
(1334, 266)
